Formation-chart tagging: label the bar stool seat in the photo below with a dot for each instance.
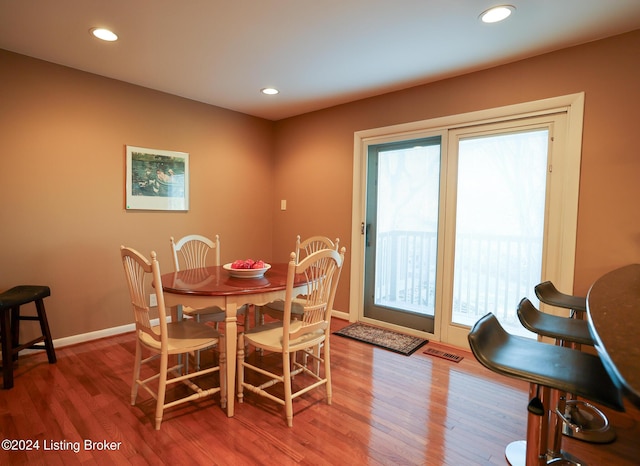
(547, 293)
(546, 367)
(565, 329)
(10, 302)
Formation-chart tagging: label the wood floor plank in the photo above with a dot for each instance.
(387, 409)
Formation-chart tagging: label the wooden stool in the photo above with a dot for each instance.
(548, 369)
(10, 302)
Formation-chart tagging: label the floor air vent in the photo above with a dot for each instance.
(443, 355)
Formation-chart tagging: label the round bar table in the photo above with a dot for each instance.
(613, 312)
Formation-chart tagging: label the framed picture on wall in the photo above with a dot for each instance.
(156, 179)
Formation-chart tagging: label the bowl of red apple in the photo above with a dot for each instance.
(247, 268)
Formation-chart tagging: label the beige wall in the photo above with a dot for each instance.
(63, 134)
(609, 212)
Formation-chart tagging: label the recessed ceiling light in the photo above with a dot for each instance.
(497, 13)
(269, 91)
(103, 34)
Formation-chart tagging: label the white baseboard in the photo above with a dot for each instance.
(109, 332)
(89, 336)
(96, 335)
(340, 315)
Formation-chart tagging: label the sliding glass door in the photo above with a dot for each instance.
(402, 232)
(459, 223)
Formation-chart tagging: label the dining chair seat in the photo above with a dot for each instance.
(269, 336)
(182, 337)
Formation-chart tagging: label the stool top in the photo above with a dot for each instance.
(548, 325)
(548, 365)
(22, 294)
(548, 294)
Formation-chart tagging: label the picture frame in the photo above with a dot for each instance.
(156, 179)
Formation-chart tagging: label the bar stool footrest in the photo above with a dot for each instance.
(583, 421)
(30, 345)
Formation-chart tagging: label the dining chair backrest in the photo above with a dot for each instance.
(193, 249)
(321, 270)
(274, 309)
(141, 272)
(313, 244)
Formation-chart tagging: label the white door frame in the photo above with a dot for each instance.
(560, 270)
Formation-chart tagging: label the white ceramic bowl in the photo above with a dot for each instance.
(246, 273)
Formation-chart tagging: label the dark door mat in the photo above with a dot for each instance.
(387, 339)
(443, 355)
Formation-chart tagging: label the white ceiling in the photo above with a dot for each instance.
(319, 53)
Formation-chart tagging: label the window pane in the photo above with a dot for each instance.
(407, 224)
(499, 225)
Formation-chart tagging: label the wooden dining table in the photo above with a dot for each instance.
(613, 312)
(214, 286)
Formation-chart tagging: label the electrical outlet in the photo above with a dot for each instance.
(153, 300)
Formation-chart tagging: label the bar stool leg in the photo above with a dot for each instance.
(15, 331)
(544, 433)
(547, 397)
(532, 451)
(559, 400)
(555, 455)
(7, 351)
(44, 326)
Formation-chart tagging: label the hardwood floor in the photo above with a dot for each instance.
(387, 409)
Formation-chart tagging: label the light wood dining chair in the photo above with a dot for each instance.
(275, 309)
(165, 339)
(287, 336)
(192, 251)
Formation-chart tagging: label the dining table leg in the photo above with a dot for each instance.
(231, 342)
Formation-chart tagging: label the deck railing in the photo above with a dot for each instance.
(492, 274)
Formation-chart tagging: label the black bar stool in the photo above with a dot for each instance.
(565, 330)
(581, 420)
(547, 293)
(10, 302)
(547, 368)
